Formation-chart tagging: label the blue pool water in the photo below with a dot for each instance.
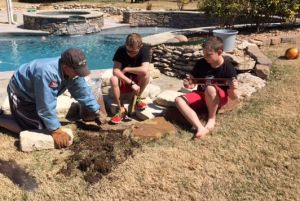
(99, 48)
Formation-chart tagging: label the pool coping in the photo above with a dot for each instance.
(39, 14)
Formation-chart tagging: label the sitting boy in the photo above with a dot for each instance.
(130, 73)
(212, 96)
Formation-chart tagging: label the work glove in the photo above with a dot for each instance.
(61, 138)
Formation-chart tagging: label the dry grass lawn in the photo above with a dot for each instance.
(253, 154)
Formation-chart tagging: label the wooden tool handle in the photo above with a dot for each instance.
(132, 105)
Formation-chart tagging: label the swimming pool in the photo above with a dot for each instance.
(99, 48)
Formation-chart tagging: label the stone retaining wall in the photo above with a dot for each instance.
(177, 61)
(174, 19)
(177, 19)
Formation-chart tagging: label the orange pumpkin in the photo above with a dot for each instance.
(292, 53)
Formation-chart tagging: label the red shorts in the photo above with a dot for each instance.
(196, 99)
(126, 88)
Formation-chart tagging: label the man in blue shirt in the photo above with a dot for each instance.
(35, 86)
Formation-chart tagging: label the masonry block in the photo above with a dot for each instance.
(167, 98)
(262, 71)
(34, 140)
(275, 40)
(150, 112)
(265, 40)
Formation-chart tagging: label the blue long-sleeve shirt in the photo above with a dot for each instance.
(41, 81)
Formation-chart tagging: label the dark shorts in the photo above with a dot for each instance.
(126, 88)
(196, 99)
(24, 112)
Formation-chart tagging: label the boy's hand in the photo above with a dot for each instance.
(187, 83)
(232, 91)
(234, 84)
(135, 88)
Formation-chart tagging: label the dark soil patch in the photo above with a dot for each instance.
(96, 154)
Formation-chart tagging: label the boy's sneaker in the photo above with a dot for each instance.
(140, 104)
(118, 117)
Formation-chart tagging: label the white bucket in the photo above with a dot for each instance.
(228, 37)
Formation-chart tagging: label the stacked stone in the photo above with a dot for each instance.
(109, 9)
(113, 10)
(75, 6)
(175, 61)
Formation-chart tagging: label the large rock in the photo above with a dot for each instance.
(150, 112)
(244, 63)
(173, 40)
(154, 73)
(105, 76)
(248, 84)
(5, 106)
(181, 38)
(39, 139)
(158, 38)
(64, 103)
(260, 58)
(151, 91)
(262, 71)
(167, 98)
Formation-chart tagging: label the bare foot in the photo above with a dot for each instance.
(201, 133)
(210, 125)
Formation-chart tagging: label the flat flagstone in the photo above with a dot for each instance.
(152, 129)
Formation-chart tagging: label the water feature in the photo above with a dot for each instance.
(99, 47)
(64, 22)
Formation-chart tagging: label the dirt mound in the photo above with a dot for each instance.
(97, 153)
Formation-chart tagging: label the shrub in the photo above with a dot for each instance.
(225, 11)
(261, 12)
(288, 10)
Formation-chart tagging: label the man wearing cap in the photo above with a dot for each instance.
(35, 86)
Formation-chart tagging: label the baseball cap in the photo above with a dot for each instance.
(75, 58)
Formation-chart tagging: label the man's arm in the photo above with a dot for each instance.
(83, 94)
(139, 70)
